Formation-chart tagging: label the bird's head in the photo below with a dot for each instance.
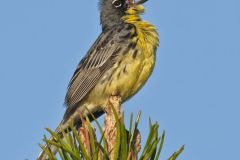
(113, 10)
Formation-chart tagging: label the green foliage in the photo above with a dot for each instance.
(71, 147)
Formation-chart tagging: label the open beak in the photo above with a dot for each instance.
(130, 2)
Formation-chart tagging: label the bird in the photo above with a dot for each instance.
(119, 62)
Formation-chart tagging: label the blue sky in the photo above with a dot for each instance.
(194, 92)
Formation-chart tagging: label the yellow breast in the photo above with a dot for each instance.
(147, 43)
(133, 71)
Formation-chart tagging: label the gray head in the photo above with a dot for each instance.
(112, 11)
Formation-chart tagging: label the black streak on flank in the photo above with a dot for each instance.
(135, 54)
(134, 34)
(118, 76)
(125, 69)
(132, 45)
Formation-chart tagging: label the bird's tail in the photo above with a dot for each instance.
(64, 127)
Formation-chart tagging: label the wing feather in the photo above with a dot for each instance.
(101, 57)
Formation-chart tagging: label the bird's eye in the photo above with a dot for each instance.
(117, 3)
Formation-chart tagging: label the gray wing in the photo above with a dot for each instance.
(101, 57)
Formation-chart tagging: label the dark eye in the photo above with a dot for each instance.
(117, 3)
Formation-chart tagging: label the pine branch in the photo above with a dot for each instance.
(116, 143)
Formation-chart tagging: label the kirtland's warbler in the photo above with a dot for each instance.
(118, 63)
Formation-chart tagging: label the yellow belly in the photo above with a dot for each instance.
(125, 79)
